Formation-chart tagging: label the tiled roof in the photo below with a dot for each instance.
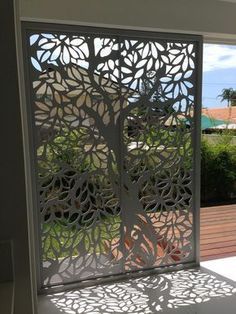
(226, 114)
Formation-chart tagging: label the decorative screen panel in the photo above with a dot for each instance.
(113, 123)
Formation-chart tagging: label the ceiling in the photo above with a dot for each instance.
(229, 0)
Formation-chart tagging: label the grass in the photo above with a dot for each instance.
(61, 239)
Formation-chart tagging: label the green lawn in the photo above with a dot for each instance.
(61, 240)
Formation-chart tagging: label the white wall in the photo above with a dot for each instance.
(216, 20)
(13, 214)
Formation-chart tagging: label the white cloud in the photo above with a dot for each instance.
(216, 57)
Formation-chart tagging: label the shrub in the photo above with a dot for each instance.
(218, 171)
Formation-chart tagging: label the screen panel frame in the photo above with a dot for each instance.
(198, 41)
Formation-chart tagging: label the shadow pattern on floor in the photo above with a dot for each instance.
(151, 294)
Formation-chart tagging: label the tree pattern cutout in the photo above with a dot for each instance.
(114, 121)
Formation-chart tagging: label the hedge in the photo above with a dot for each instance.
(218, 171)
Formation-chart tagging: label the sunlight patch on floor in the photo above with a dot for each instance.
(186, 291)
(225, 267)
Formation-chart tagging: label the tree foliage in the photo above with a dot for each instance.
(228, 94)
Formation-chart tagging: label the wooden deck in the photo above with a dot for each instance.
(218, 232)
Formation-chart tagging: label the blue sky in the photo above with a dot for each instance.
(219, 71)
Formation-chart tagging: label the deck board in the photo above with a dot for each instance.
(218, 232)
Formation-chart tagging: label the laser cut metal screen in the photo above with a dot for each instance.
(113, 120)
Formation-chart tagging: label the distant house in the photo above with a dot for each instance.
(225, 114)
(218, 118)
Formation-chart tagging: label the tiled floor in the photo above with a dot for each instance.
(207, 290)
(225, 267)
(194, 291)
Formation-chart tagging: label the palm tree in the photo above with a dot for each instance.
(233, 99)
(228, 94)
